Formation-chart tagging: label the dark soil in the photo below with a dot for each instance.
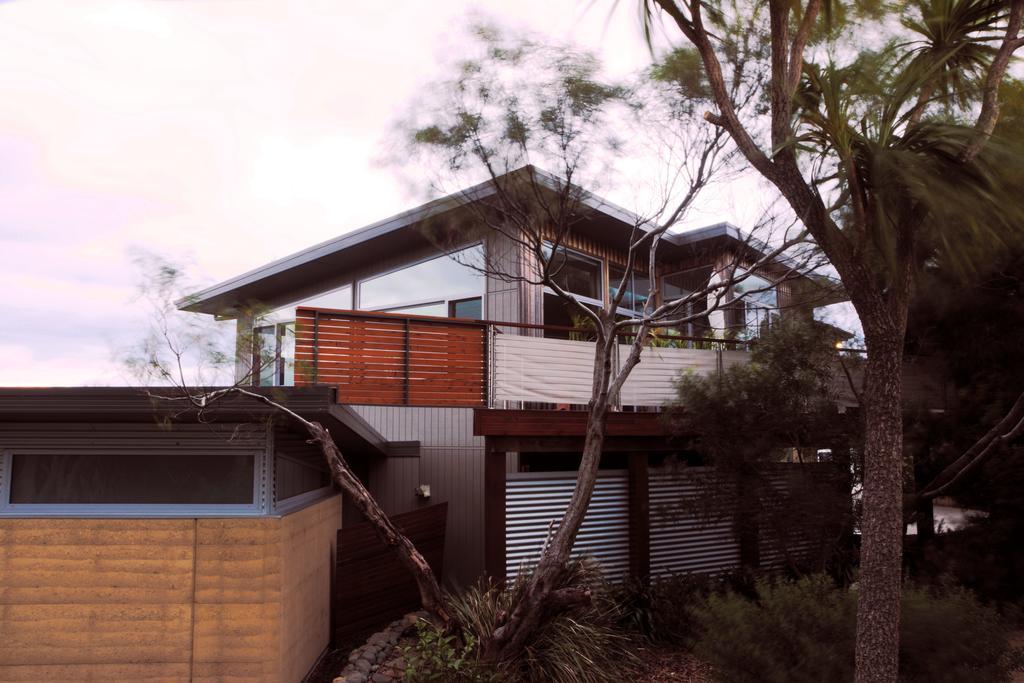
(670, 664)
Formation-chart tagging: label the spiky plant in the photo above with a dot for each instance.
(581, 645)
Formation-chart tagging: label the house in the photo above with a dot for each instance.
(427, 345)
(138, 539)
(138, 542)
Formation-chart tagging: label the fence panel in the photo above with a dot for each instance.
(689, 534)
(536, 500)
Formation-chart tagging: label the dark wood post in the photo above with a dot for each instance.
(494, 513)
(639, 518)
(746, 523)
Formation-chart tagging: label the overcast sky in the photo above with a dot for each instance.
(219, 133)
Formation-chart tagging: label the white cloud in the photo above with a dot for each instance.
(224, 133)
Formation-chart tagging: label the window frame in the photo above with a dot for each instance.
(260, 505)
(635, 312)
(357, 286)
(692, 328)
(602, 285)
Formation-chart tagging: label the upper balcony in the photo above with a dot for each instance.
(410, 360)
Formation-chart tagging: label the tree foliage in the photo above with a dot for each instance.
(876, 125)
(780, 407)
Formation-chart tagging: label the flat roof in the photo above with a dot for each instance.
(144, 404)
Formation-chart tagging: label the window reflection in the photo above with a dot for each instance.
(683, 284)
(638, 288)
(434, 282)
(576, 273)
(275, 355)
(758, 310)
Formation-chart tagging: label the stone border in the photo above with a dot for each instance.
(373, 662)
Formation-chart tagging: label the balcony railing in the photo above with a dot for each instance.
(394, 359)
(390, 359)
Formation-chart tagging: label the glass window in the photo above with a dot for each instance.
(275, 337)
(682, 284)
(276, 354)
(576, 273)
(339, 298)
(434, 308)
(466, 308)
(445, 278)
(759, 308)
(638, 288)
(135, 478)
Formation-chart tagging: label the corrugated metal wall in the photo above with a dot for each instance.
(451, 461)
(534, 500)
(684, 537)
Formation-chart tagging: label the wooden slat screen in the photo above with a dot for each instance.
(387, 359)
(372, 585)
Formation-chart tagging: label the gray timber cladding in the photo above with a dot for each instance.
(451, 462)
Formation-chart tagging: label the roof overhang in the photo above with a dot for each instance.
(351, 432)
(305, 272)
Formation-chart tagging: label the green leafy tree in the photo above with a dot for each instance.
(874, 122)
(781, 406)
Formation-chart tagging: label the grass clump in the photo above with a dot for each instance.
(582, 645)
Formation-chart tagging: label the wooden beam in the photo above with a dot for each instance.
(639, 518)
(568, 444)
(494, 514)
(491, 422)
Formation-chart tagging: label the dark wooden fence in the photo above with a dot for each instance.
(372, 585)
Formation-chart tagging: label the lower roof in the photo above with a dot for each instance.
(163, 404)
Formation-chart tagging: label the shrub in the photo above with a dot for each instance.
(437, 657)
(804, 631)
(950, 637)
(582, 645)
(663, 609)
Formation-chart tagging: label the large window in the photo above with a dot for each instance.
(275, 353)
(576, 273)
(429, 287)
(274, 337)
(133, 469)
(132, 479)
(638, 288)
(683, 284)
(759, 308)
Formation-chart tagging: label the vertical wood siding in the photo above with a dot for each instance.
(451, 461)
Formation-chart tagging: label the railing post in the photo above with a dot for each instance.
(639, 518)
(405, 373)
(488, 354)
(316, 346)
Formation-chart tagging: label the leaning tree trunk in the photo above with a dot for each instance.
(543, 597)
(430, 592)
(878, 605)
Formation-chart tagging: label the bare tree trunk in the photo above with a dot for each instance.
(878, 606)
(430, 592)
(542, 596)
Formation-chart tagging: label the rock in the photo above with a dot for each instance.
(356, 678)
(378, 638)
(370, 651)
(363, 665)
(382, 678)
(353, 656)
